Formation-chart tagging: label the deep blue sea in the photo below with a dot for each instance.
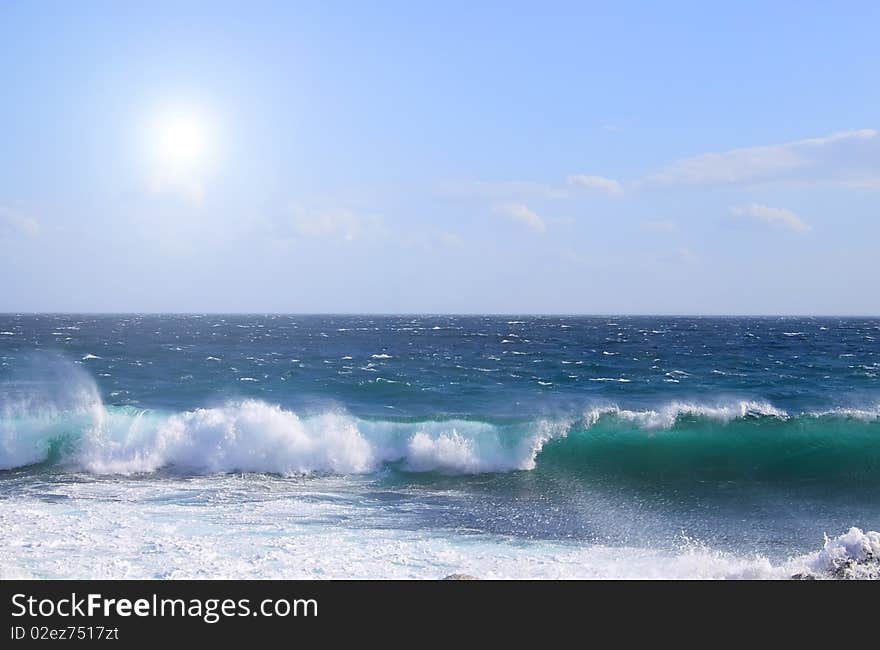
(283, 446)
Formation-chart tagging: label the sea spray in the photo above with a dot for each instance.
(47, 405)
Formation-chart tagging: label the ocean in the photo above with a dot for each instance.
(416, 446)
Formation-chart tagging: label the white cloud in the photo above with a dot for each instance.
(450, 239)
(809, 160)
(188, 187)
(847, 160)
(522, 191)
(660, 226)
(600, 183)
(777, 217)
(431, 239)
(332, 223)
(15, 223)
(521, 213)
(687, 255)
(489, 190)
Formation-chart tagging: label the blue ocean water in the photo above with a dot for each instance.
(410, 446)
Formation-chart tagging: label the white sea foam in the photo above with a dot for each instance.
(666, 416)
(264, 528)
(65, 422)
(446, 450)
(865, 414)
(249, 436)
(481, 450)
(254, 436)
(853, 555)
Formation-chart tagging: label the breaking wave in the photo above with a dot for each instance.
(254, 436)
(61, 421)
(736, 440)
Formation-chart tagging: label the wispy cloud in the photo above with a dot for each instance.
(14, 223)
(687, 255)
(187, 187)
(599, 183)
(512, 190)
(432, 239)
(809, 160)
(332, 223)
(660, 226)
(521, 213)
(521, 191)
(777, 217)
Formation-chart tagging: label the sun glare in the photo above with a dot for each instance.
(181, 141)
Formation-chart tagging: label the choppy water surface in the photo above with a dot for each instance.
(413, 446)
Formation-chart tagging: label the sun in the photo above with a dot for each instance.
(181, 149)
(181, 141)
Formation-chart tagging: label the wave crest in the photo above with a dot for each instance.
(668, 415)
(249, 436)
(745, 439)
(254, 436)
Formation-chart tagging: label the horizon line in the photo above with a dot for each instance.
(440, 313)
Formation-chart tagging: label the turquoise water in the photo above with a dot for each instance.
(525, 446)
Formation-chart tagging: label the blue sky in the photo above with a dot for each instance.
(384, 157)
